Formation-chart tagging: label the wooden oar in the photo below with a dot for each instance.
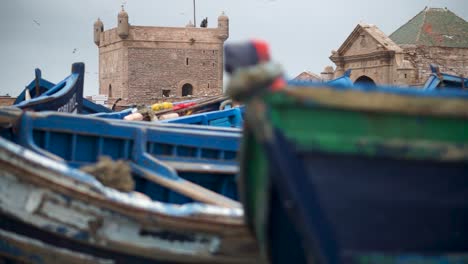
(187, 188)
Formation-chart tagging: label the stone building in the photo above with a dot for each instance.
(435, 35)
(143, 64)
(308, 76)
(6, 100)
(326, 75)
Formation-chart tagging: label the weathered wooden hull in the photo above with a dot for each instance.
(358, 175)
(42, 199)
(204, 156)
(17, 248)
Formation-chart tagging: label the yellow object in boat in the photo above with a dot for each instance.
(161, 106)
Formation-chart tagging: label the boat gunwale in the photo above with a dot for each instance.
(382, 100)
(101, 196)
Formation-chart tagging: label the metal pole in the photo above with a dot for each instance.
(194, 17)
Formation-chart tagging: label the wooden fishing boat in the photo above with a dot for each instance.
(356, 175)
(48, 203)
(206, 157)
(439, 80)
(232, 117)
(43, 91)
(66, 96)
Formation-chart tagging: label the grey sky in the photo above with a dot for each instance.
(302, 33)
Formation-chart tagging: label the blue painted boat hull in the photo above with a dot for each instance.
(66, 96)
(53, 100)
(203, 156)
(381, 209)
(48, 207)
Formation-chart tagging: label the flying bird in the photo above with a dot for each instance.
(74, 50)
(37, 23)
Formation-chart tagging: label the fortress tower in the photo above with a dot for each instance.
(143, 64)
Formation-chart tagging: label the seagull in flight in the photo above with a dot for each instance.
(37, 23)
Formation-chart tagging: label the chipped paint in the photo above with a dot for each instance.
(19, 156)
(55, 215)
(81, 220)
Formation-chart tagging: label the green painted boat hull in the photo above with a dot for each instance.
(386, 169)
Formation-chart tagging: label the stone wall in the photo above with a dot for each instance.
(155, 62)
(112, 71)
(153, 70)
(450, 60)
(7, 100)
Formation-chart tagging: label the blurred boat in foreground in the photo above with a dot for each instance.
(182, 209)
(355, 175)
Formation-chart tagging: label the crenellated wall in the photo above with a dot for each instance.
(151, 63)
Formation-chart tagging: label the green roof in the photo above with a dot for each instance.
(434, 27)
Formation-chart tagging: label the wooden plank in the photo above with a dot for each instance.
(202, 167)
(189, 189)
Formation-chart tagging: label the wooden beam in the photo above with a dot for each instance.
(189, 189)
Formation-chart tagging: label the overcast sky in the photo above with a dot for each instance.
(302, 33)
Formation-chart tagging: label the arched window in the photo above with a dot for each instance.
(364, 81)
(187, 89)
(110, 91)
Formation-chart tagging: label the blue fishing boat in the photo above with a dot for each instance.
(186, 177)
(355, 174)
(206, 157)
(66, 96)
(439, 80)
(232, 117)
(47, 91)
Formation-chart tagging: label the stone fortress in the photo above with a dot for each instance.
(435, 35)
(146, 64)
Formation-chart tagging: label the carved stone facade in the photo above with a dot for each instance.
(373, 58)
(144, 65)
(435, 35)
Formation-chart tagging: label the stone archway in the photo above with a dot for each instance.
(187, 89)
(364, 81)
